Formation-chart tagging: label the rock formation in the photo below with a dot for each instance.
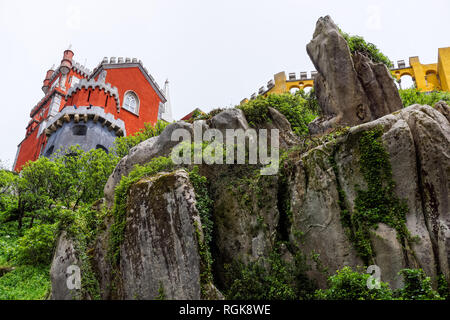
(303, 207)
(417, 139)
(350, 89)
(64, 257)
(161, 250)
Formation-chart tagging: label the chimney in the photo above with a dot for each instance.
(46, 84)
(66, 62)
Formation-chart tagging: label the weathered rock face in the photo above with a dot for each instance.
(229, 119)
(64, 257)
(350, 90)
(160, 249)
(162, 145)
(417, 139)
(142, 153)
(246, 218)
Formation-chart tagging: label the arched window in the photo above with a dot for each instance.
(406, 82)
(99, 146)
(131, 102)
(79, 130)
(293, 90)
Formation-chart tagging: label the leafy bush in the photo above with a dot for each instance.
(299, 108)
(347, 284)
(417, 286)
(415, 96)
(358, 44)
(25, 283)
(37, 244)
(8, 241)
(279, 281)
(8, 199)
(122, 145)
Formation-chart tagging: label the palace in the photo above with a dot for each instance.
(92, 108)
(427, 77)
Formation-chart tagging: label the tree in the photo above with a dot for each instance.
(123, 145)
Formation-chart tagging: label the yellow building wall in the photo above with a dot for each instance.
(427, 77)
(444, 68)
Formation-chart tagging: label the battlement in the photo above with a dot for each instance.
(124, 62)
(427, 77)
(86, 84)
(84, 114)
(82, 70)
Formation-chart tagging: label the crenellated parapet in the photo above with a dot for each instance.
(85, 114)
(80, 69)
(93, 84)
(126, 62)
(426, 77)
(282, 83)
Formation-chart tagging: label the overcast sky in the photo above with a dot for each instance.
(214, 53)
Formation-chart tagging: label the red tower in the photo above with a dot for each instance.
(90, 108)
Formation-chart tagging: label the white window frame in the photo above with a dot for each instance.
(131, 92)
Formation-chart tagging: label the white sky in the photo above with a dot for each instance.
(215, 53)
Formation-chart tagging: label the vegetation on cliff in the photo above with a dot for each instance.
(58, 194)
(358, 44)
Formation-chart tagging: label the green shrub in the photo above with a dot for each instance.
(358, 44)
(347, 284)
(443, 287)
(25, 283)
(414, 96)
(417, 286)
(37, 244)
(299, 108)
(122, 145)
(8, 242)
(279, 281)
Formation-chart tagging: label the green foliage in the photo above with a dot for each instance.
(161, 295)
(120, 200)
(358, 44)
(122, 145)
(414, 96)
(299, 108)
(204, 206)
(37, 244)
(280, 280)
(417, 286)
(25, 283)
(347, 284)
(82, 227)
(8, 200)
(376, 204)
(443, 287)
(9, 235)
(203, 202)
(74, 177)
(87, 173)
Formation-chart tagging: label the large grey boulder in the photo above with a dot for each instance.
(417, 140)
(64, 259)
(160, 248)
(142, 153)
(350, 90)
(229, 119)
